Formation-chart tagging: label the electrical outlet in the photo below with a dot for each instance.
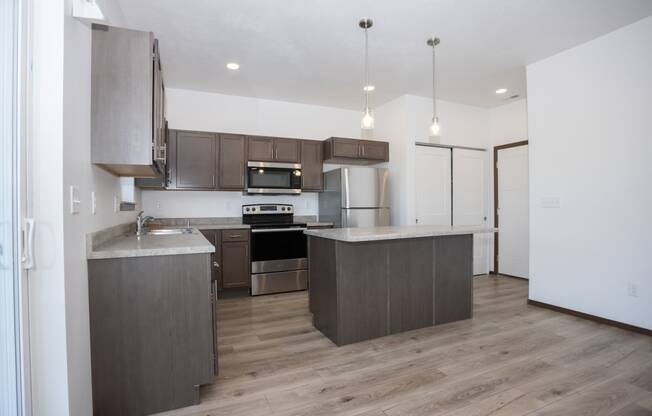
(158, 205)
(632, 289)
(93, 203)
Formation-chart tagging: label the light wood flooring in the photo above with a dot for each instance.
(510, 359)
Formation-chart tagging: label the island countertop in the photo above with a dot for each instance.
(396, 232)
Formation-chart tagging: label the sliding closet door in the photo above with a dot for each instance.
(470, 200)
(433, 185)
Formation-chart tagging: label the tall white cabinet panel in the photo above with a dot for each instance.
(433, 185)
(513, 211)
(470, 200)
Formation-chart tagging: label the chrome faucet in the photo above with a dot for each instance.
(141, 221)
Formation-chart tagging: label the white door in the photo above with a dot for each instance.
(513, 211)
(470, 200)
(433, 185)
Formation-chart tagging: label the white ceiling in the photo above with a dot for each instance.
(311, 51)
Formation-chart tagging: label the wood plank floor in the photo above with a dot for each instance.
(510, 359)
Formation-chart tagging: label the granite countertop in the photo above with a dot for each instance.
(395, 233)
(319, 224)
(129, 245)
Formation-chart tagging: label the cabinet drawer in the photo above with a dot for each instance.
(235, 235)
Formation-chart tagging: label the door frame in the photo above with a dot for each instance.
(496, 225)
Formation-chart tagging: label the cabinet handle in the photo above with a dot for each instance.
(213, 180)
(275, 153)
(234, 236)
(362, 148)
(163, 153)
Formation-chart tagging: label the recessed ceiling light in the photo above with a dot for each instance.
(501, 90)
(233, 66)
(369, 88)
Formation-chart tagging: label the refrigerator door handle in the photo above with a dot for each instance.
(345, 188)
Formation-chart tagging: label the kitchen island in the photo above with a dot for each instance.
(371, 282)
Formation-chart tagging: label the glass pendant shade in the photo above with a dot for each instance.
(367, 122)
(435, 127)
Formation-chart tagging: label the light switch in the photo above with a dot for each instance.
(74, 199)
(550, 202)
(93, 203)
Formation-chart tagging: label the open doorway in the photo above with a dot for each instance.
(511, 209)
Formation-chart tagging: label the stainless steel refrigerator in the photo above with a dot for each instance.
(355, 197)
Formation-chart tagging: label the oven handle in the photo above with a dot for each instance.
(277, 230)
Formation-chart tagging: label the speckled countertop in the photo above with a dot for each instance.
(130, 245)
(394, 233)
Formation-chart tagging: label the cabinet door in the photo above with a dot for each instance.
(287, 150)
(261, 149)
(231, 163)
(235, 264)
(195, 164)
(216, 258)
(346, 148)
(374, 150)
(311, 165)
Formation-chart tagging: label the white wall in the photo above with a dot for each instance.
(403, 122)
(195, 110)
(590, 146)
(47, 318)
(507, 124)
(78, 171)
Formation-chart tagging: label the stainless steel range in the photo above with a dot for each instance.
(279, 251)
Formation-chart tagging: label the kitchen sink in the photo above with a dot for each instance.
(170, 231)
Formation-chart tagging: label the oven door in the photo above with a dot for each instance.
(273, 178)
(278, 249)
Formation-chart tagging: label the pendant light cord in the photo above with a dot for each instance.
(366, 69)
(434, 83)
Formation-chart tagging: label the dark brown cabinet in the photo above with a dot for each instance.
(287, 150)
(274, 149)
(213, 236)
(232, 155)
(312, 165)
(373, 150)
(261, 149)
(127, 102)
(195, 160)
(353, 151)
(235, 263)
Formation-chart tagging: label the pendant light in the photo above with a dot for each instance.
(435, 127)
(367, 122)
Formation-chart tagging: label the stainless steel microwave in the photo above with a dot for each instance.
(273, 178)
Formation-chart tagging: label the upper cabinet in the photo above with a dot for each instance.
(352, 151)
(204, 161)
(312, 166)
(232, 155)
(274, 149)
(127, 103)
(195, 160)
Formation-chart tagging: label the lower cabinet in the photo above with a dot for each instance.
(236, 264)
(230, 264)
(150, 332)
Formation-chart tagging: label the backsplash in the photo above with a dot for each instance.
(202, 204)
